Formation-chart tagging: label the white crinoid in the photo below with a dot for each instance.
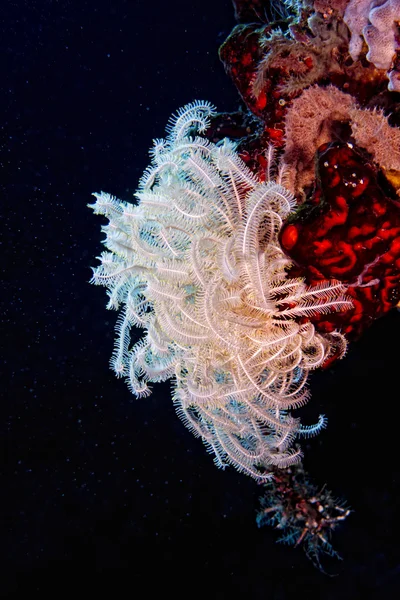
(197, 264)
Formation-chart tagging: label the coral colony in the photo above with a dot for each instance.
(262, 241)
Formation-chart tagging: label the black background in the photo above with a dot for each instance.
(102, 493)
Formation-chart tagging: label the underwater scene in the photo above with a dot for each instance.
(243, 159)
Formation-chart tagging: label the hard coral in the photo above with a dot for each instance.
(350, 230)
(356, 18)
(310, 122)
(372, 131)
(330, 6)
(376, 23)
(322, 115)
